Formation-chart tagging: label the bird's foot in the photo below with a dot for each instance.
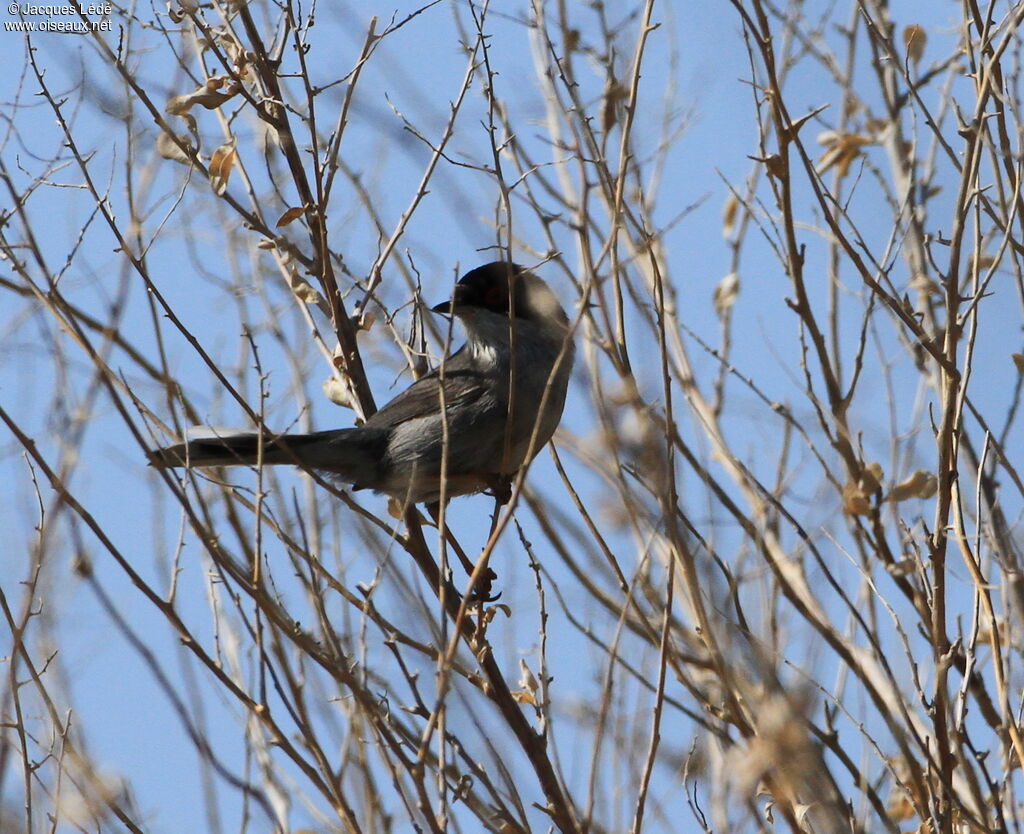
(500, 488)
(481, 591)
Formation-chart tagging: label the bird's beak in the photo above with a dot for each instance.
(450, 305)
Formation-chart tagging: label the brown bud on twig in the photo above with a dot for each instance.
(914, 39)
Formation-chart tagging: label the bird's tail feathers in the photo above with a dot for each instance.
(353, 454)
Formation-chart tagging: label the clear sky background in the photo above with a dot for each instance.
(697, 65)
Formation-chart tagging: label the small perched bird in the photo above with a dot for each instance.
(481, 411)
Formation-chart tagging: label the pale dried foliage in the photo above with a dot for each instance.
(763, 579)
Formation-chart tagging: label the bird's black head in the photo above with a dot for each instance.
(500, 287)
(488, 288)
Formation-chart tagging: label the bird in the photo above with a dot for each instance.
(467, 426)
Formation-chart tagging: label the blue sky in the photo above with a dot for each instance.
(696, 62)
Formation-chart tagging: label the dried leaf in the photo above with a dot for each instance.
(875, 127)
(611, 111)
(928, 487)
(208, 95)
(177, 105)
(904, 567)
(914, 39)
(308, 294)
(1018, 360)
(304, 291)
(363, 320)
(922, 283)
(266, 243)
(986, 635)
(221, 163)
(726, 293)
(192, 125)
(776, 165)
(526, 678)
(491, 611)
(523, 697)
(801, 812)
(338, 392)
(979, 263)
(871, 477)
(857, 494)
(290, 216)
(841, 151)
(921, 484)
(855, 502)
(338, 357)
(729, 212)
(901, 808)
(169, 149)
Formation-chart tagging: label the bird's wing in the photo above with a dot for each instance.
(462, 385)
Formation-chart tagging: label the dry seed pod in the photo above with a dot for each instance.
(914, 39)
(726, 293)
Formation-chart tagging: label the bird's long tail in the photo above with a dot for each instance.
(353, 454)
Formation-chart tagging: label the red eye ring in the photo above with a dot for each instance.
(494, 297)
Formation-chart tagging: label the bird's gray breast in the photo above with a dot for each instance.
(532, 378)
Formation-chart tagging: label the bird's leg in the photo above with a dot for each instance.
(434, 508)
(501, 488)
(484, 578)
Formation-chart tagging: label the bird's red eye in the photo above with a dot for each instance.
(494, 297)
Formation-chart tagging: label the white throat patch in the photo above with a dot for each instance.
(484, 352)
